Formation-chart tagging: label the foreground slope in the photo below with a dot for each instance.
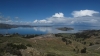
(64, 44)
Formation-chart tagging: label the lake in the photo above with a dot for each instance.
(46, 30)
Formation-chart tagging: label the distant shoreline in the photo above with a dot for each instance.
(8, 26)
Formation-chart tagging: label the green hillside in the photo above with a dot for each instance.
(64, 44)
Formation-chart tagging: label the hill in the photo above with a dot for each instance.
(8, 26)
(86, 43)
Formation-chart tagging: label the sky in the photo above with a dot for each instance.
(47, 12)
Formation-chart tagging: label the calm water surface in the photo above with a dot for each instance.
(45, 30)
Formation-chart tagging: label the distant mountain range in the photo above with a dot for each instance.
(8, 26)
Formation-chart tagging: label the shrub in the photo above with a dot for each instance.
(97, 43)
(57, 35)
(13, 49)
(17, 52)
(64, 39)
(84, 43)
(51, 54)
(91, 44)
(74, 50)
(29, 45)
(16, 46)
(70, 42)
(83, 50)
(21, 46)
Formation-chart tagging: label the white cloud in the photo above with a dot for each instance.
(58, 15)
(82, 13)
(7, 22)
(2, 18)
(58, 18)
(35, 21)
(42, 21)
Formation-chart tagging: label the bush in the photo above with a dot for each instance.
(29, 45)
(84, 43)
(1, 50)
(13, 49)
(15, 52)
(64, 39)
(68, 42)
(57, 35)
(83, 50)
(97, 43)
(21, 46)
(74, 50)
(91, 44)
(14, 46)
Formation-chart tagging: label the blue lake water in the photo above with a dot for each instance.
(46, 30)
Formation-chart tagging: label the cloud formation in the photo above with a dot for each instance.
(42, 21)
(56, 18)
(81, 17)
(82, 13)
(58, 15)
(85, 17)
(2, 18)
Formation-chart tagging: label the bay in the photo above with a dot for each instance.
(46, 30)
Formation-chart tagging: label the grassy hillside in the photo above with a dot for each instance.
(79, 44)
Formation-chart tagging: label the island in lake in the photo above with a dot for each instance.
(65, 28)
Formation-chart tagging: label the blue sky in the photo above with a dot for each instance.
(39, 11)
